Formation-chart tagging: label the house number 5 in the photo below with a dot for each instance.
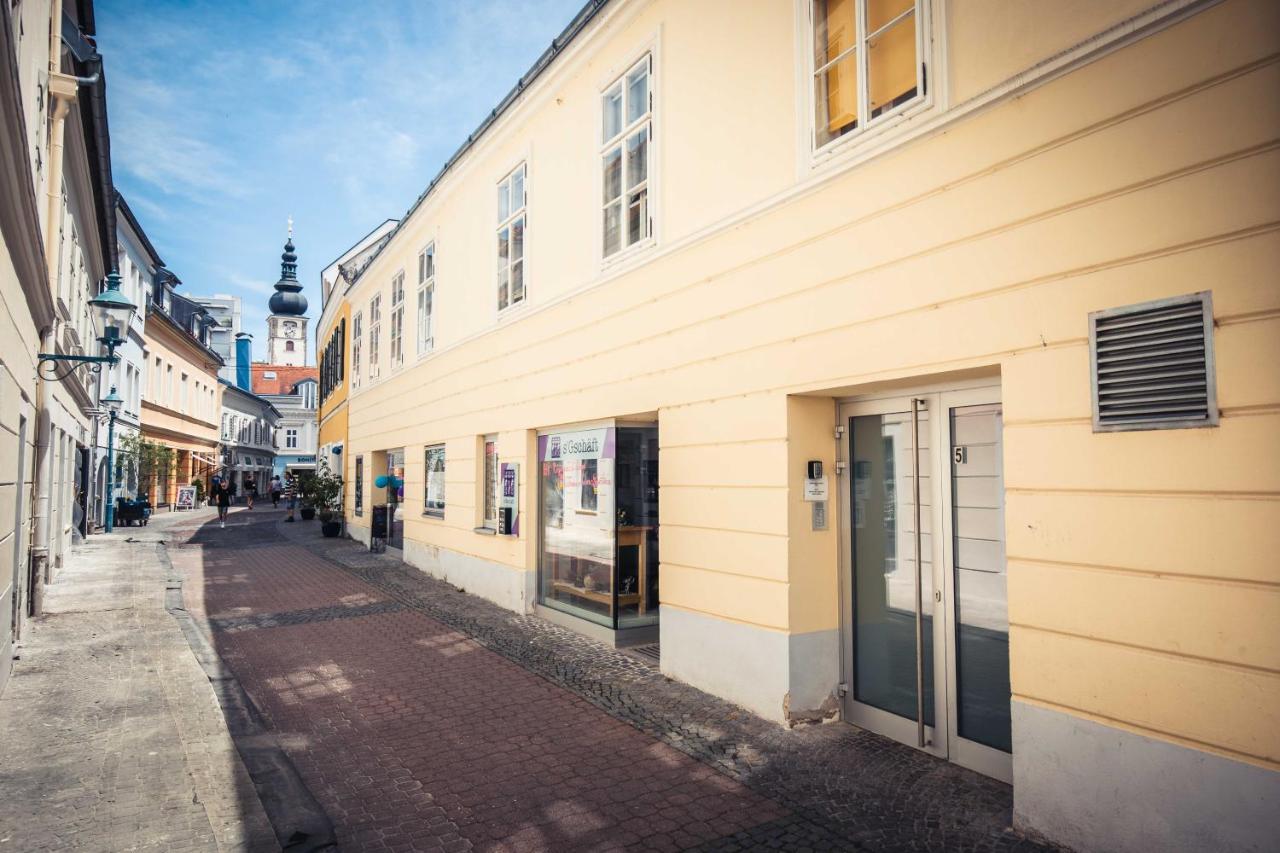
(961, 455)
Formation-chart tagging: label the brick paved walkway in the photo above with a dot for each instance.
(423, 719)
(110, 736)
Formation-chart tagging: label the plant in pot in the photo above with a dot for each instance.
(306, 486)
(325, 494)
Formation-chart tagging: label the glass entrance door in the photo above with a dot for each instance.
(927, 652)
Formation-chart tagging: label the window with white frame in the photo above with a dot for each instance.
(626, 131)
(490, 479)
(357, 341)
(397, 320)
(512, 199)
(291, 439)
(867, 63)
(375, 331)
(426, 298)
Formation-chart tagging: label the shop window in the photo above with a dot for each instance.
(490, 481)
(626, 133)
(599, 524)
(866, 63)
(358, 486)
(512, 198)
(434, 490)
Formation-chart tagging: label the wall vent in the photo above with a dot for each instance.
(1152, 365)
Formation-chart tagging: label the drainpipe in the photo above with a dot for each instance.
(62, 94)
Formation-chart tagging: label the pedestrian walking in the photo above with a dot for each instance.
(276, 489)
(290, 495)
(221, 496)
(250, 490)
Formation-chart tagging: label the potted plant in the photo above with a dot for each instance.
(305, 481)
(324, 493)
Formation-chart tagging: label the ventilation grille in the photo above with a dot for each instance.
(1153, 365)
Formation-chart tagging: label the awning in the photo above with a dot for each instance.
(206, 460)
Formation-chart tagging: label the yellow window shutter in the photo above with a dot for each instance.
(891, 58)
(842, 78)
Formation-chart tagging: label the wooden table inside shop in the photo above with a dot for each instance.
(627, 537)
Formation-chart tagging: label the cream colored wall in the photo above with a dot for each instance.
(162, 411)
(1141, 560)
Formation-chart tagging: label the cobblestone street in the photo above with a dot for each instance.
(422, 718)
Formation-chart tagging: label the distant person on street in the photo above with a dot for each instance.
(250, 490)
(290, 495)
(276, 489)
(222, 497)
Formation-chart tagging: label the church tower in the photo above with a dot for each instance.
(287, 327)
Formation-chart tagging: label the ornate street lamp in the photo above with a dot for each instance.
(112, 402)
(113, 311)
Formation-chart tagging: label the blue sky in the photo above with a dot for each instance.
(228, 117)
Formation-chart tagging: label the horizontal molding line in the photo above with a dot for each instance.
(1147, 573)
(675, 565)
(840, 380)
(1087, 420)
(723, 618)
(1147, 731)
(1244, 668)
(1247, 317)
(782, 440)
(668, 524)
(1198, 494)
(721, 486)
(814, 184)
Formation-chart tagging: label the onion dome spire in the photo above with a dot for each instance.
(288, 298)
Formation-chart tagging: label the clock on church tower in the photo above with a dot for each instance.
(287, 327)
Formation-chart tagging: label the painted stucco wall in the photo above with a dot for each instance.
(1143, 587)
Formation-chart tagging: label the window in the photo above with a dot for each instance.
(426, 298)
(375, 331)
(291, 439)
(358, 485)
(182, 394)
(434, 497)
(288, 346)
(397, 320)
(627, 109)
(357, 322)
(511, 227)
(865, 63)
(491, 482)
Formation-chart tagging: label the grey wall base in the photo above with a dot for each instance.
(782, 677)
(1098, 788)
(506, 586)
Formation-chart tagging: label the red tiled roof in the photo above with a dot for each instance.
(284, 377)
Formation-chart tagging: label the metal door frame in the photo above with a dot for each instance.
(942, 739)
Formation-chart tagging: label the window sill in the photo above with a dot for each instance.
(513, 310)
(485, 531)
(624, 256)
(879, 135)
(434, 515)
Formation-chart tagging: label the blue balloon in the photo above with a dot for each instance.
(381, 482)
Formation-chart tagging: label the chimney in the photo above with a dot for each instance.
(244, 357)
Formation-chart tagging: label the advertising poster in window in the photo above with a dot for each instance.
(435, 481)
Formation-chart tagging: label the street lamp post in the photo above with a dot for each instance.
(113, 403)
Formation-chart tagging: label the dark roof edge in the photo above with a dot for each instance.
(575, 27)
(367, 235)
(261, 399)
(137, 229)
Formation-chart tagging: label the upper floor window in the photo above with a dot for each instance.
(627, 108)
(866, 63)
(426, 298)
(375, 332)
(357, 339)
(288, 346)
(512, 199)
(397, 320)
(291, 439)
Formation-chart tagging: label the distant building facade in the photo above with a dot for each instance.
(226, 314)
(293, 391)
(248, 437)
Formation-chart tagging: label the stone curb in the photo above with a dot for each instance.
(299, 822)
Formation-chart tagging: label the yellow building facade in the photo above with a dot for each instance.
(910, 365)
